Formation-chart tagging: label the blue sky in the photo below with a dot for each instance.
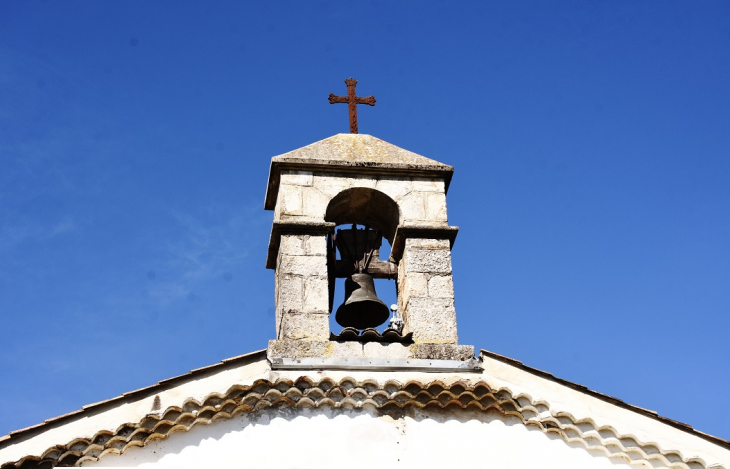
(592, 182)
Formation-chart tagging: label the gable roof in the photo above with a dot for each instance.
(359, 149)
(129, 397)
(230, 393)
(609, 399)
(391, 397)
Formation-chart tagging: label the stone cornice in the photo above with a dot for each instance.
(300, 227)
(427, 232)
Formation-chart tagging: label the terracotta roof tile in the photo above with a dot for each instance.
(607, 398)
(259, 354)
(303, 392)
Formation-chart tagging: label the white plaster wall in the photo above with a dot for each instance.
(340, 438)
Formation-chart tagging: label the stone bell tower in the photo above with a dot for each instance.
(357, 179)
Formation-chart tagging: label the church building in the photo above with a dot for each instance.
(393, 386)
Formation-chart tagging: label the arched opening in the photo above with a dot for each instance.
(367, 207)
(358, 208)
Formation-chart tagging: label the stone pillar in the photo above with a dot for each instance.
(299, 254)
(425, 284)
(426, 291)
(302, 289)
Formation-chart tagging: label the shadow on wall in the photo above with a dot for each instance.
(367, 207)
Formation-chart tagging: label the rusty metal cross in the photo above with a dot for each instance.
(352, 102)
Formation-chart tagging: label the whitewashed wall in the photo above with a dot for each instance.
(329, 438)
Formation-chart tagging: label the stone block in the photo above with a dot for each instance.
(303, 265)
(436, 261)
(427, 243)
(290, 293)
(314, 203)
(394, 188)
(412, 208)
(428, 185)
(344, 350)
(436, 208)
(363, 181)
(331, 184)
(296, 178)
(442, 352)
(290, 201)
(415, 284)
(378, 350)
(304, 326)
(292, 245)
(316, 294)
(432, 320)
(284, 348)
(441, 286)
(316, 245)
(303, 245)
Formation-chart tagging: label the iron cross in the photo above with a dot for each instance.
(352, 102)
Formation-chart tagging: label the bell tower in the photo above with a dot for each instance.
(335, 202)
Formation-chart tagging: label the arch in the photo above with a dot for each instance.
(364, 206)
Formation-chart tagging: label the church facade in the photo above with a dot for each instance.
(409, 394)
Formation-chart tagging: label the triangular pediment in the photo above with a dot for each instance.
(348, 149)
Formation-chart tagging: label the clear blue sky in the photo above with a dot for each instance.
(590, 139)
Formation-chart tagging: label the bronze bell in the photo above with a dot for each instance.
(362, 307)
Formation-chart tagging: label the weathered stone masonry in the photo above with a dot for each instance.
(360, 179)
